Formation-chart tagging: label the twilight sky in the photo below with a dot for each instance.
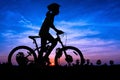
(91, 25)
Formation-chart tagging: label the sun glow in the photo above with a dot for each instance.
(52, 64)
(52, 61)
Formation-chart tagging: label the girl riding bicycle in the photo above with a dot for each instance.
(53, 10)
(65, 55)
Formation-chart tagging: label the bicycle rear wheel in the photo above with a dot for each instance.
(21, 56)
(74, 57)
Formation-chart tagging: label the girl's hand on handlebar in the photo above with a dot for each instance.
(60, 32)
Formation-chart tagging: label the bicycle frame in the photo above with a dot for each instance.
(65, 50)
(59, 40)
(36, 44)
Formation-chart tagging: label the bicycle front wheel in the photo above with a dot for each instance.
(21, 56)
(72, 57)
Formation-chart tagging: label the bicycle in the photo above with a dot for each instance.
(64, 55)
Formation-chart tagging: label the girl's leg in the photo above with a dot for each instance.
(53, 44)
(43, 46)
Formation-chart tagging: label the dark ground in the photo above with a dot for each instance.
(59, 73)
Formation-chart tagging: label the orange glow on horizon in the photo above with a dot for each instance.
(52, 62)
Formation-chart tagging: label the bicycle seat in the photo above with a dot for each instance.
(32, 37)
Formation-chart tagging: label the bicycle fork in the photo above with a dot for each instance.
(68, 58)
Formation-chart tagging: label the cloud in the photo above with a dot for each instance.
(74, 29)
(90, 46)
(71, 24)
(15, 37)
(90, 26)
(76, 36)
(28, 24)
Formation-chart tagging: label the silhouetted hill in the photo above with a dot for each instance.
(34, 72)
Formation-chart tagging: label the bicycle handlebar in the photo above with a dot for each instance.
(59, 33)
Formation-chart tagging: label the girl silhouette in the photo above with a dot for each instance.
(53, 10)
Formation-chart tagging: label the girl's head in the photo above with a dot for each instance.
(54, 7)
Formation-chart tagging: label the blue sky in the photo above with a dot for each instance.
(91, 25)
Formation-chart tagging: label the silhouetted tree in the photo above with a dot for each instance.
(98, 62)
(87, 62)
(105, 64)
(111, 62)
(91, 64)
